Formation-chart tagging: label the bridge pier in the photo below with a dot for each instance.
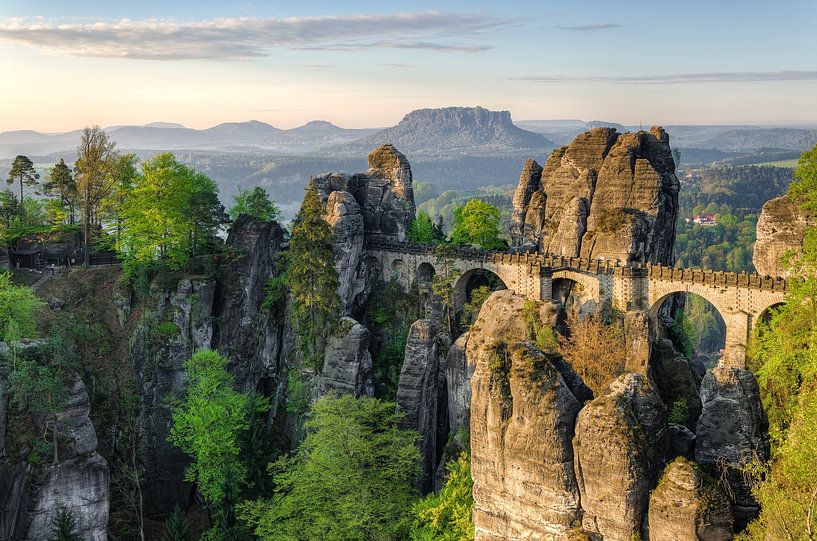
(738, 325)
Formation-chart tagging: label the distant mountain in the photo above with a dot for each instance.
(230, 136)
(562, 132)
(453, 131)
(766, 138)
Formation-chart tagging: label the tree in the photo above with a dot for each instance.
(255, 203)
(124, 173)
(207, 426)
(351, 478)
(312, 278)
(22, 171)
(61, 183)
(424, 230)
(170, 212)
(64, 527)
(176, 526)
(596, 350)
(17, 307)
(477, 224)
(9, 207)
(94, 179)
(447, 516)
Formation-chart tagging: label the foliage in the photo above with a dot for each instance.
(784, 356)
(447, 516)
(64, 527)
(596, 350)
(424, 230)
(170, 213)
(22, 171)
(207, 425)
(312, 279)
(276, 289)
(472, 307)
(540, 334)
(17, 307)
(9, 207)
(679, 412)
(351, 478)
(682, 328)
(477, 224)
(254, 203)
(176, 526)
(62, 184)
(94, 178)
(298, 395)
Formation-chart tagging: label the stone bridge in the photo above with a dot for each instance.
(742, 299)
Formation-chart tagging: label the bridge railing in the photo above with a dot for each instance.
(584, 264)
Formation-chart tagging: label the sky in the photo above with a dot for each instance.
(70, 63)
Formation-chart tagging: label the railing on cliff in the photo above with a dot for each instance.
(583, 264)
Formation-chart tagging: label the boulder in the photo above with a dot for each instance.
(418, 390)
(688, 505)
(347, 365)
(732, 431)
(620, 445)
(681, 441)
(522, 419)
(781, 228)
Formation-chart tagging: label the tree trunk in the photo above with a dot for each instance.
(21, 189)
(86, 229)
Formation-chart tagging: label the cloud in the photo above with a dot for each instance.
(589, 27)
(318, 66)
(248, 37)
(682, 78)
(398, 65)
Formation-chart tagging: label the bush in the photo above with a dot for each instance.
(447, 516)
(679, 412)
(595, 350)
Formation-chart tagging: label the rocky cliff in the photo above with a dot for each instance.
(780, 231)
(605, 195)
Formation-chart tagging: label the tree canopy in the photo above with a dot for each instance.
(255, 203)
(17, 306)
(22, 171)
(446, 516)
(424, 230)
(477, 224)
(351, 478)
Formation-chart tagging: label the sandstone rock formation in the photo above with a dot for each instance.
(458, 373)
(347, 365)
(688, 505)
(732, 430)
(780, 229)
(522, 419)
(620, 444)
(344, 215)
(419, 389)
(675, 378)
(605, 196)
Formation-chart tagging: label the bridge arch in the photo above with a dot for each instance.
(468, 282)
(579, 293)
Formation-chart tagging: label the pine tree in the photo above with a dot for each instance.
(22, 171)
(312, 278)
(62, 184)
(176, 526)
(64, 527)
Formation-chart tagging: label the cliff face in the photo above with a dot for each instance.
(781, 228)
(605, 196)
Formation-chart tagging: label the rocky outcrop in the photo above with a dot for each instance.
(31, 494)
(421, 384)
(344, 215)
(522, 419)
(458, 372)
(179, 323)
(620, 445)
(781, 229)
(688, 505)
(347, 365)
(676, 379)
(245, 332)
(604, 196)
(384, 193)
(732, 431)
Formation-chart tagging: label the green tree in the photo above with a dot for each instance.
(477, 224)
(176, 526)
(17, 307)
(123, 173)
(170, 212)
(22, 171)
(351, 478)
(255, 203)
(94, 178)
(312, 278)
(9, 207)
(62, 184)
(447, 516)
(64, 527)
(207, 426)
(424, 230)
(784, 355)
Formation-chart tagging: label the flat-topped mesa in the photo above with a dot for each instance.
(604, 196)
(384, 192)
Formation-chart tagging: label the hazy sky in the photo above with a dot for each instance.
(69, 63)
